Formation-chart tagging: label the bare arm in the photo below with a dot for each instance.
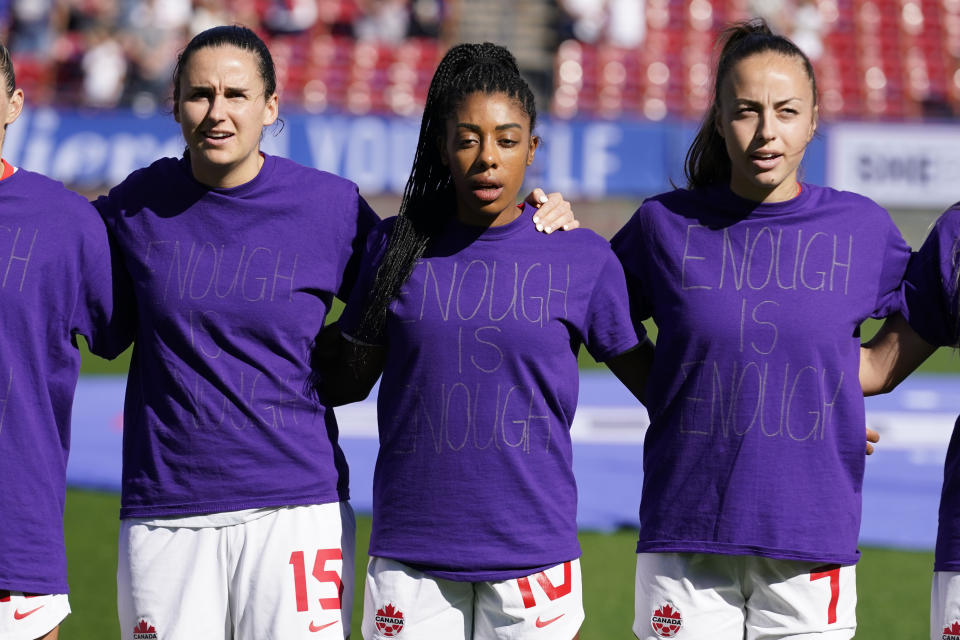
(891, 356)
(633, 368)
(344, 371)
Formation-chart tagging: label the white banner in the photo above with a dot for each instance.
(897, 165)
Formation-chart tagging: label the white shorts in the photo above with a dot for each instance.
(725, 597)
(26, 617)
(287, 574)
(401, 602)
(945, 605)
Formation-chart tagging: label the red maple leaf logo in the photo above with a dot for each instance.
(668, 612)
(389, 621)
(952, 631)
(143, 627)
(666, 621)
(144, 631)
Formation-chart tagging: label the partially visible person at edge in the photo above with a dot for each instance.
(930, 319)
(234, 494)
(475, 320)
(56, 283)
(754, 459)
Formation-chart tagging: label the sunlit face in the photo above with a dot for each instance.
(488, 147)
(222, 111)
(767, 117)
(10, 107)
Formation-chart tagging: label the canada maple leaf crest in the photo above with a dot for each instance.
(666, 621)
(144, 631)
(389, 621)
(952, 632)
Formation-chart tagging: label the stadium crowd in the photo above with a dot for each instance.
(646, 59)
(120, 53)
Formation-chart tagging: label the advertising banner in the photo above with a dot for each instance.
(594, 159)
(899, 165)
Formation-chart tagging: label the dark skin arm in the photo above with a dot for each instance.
(632, 368)
(344, 371)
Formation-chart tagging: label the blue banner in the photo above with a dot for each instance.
(581, 158)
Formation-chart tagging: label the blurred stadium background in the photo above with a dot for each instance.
(621, 86)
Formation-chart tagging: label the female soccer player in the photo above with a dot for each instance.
(753, 462)
(55, 283)
(234, 505)
(931, 318)
(476, 321)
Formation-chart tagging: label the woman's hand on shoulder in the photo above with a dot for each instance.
(553, 212)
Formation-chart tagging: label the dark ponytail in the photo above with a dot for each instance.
(229, 35)
(428, 199)
(6, 68)
(707, 161)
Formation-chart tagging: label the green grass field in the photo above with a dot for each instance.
(894, 586)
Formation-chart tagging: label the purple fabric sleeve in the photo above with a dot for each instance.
(930, 288)
(372, 255)
(55, 282)
(607, 299)
(355, 238)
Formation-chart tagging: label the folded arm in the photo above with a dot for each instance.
(344, 371)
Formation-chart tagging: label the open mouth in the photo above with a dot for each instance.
(765, 160)
(216, 137)
(486, 191)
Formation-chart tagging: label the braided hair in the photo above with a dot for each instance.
(707, 162)
(955, 263)
(429, 198)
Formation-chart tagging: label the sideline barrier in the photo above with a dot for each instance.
(901, 488)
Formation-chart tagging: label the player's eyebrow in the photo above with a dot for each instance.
(500, 127)
(755, 103)
(208, 89)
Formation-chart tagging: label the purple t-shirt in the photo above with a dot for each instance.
(232, 286)
(474, 480)
(756, 443)
(55, 282)
(932, 307)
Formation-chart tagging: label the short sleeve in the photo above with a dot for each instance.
(629, 247)
(108, 206)
(352, 239)
(105, 311)
(931, 300)
(368, 262)
(608, 330)
(893, 264)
